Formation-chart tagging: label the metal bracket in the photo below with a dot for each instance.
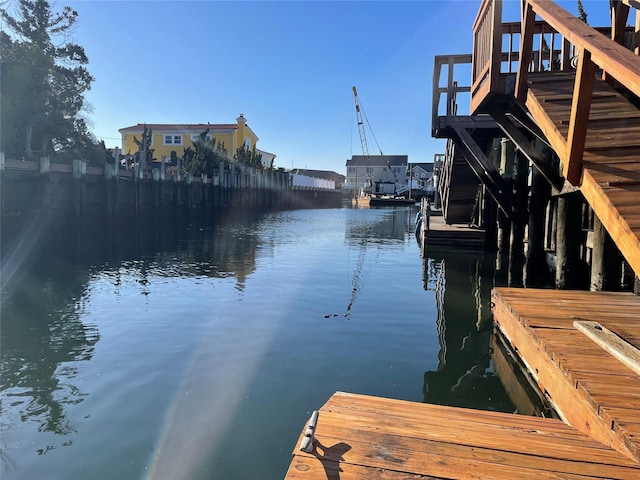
(309, 436)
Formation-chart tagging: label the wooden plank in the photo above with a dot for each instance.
(625, 237)
(604, 117)
(612, 343)
(556, 137)
(375, 438)
(578, 119)
(561, 97)
(623, 415)
(526, 52)
(308, 468)
(576, 411)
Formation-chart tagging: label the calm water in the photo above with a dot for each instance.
(199, 351)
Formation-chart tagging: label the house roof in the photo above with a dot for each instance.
(378, 160)
(264, 152)
(427, 167)
(180, 127)
(325, 174)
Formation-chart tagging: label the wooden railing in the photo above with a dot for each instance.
(487, 48)
(595, 51)
(556, 41)
(452, 88)
(496, 51)
(444, 180)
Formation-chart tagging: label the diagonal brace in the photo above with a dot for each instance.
(487, 174)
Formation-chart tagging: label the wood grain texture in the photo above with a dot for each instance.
(377, 438)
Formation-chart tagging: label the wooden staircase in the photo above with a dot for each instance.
(554, 78)
(610, 174)
(458, 187)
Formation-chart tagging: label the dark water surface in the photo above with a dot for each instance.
(200, 350)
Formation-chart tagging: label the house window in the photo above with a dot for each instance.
(172, 140)
(351, 171)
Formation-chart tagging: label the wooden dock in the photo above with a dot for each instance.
(590, 388)
(456, 235)
(360, 437)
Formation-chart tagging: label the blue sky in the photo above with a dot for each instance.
(288, 66)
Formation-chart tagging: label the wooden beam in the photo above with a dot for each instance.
(580, 107)
(526, 52)
(495, 49)
(636, 34)
(526, 147)
(619, 15)
(487, 174)
(610, 342)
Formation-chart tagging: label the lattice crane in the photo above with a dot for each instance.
(361, 129)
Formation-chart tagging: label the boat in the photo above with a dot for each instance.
(361, 201)
(390, 200)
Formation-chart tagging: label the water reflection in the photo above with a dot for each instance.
(464, 376)
(42, 338)
(45, 335)
(172, 347)
(391, 226)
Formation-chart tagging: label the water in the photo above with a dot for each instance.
(177, 350)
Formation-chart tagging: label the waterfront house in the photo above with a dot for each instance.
(324, 174)
(368, 170)
(168, 138)
(422, 175)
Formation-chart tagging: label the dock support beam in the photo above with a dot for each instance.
(534, 276)
(567, 229)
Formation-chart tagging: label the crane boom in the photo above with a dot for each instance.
(363, 137)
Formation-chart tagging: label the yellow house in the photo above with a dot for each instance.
(166, 138)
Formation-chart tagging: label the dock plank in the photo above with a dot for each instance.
(358, 436)
(591, 389)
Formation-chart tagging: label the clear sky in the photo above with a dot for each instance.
(288, 66)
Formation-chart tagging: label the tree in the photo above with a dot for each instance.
(44, 79)
(582, 13)
(144, 154)
(250, 158)
(205, 155)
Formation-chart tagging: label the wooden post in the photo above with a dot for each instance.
(157, 193)
(597, 255)
(189, 183)
(490, 223)
(579, 118)
(540, 194)
(567, 238)
(516, 244)
(205, 191)
(45, 183)
(504, 225)
(2, 165)
(628, 276)
(562, 212)
(79, 171)
(526, 52)
(108, 192)
(636, 34)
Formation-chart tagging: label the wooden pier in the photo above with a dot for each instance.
(591, 388)
(360, 437)
(455, 235)
(546, 161)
